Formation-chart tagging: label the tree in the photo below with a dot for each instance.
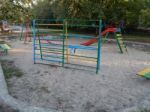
(42, 10)
(110, 10)
(144, 19)
(13, 10)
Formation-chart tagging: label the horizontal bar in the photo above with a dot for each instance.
(51, 56)
(49, 46)
(53, 20)
(48, 60)
(49, 36)
(80, 65)
(69, 54)
(38, 33)
(79, 35)
(52, 39)
(77, 25)
(55, 30)
(53, 49)
(48, 40)
(72, 25)
(61, 20)
(49, 24)
(81, 47)
(69, 46)
(83, 58)
(52, 52)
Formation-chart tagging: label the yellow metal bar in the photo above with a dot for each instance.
(67, 51)
(83, 58)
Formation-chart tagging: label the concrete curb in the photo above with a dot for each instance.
(14, 103)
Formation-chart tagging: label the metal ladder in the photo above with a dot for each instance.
(120, 42)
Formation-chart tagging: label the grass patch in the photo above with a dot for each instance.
(10, 69)
(136, 38)
(145, 110)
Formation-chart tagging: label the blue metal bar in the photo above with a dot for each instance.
(70, 46)
(50, 44)
(51, 56)
(49, 60)
(34, 37)
(63, 48)
(51, 39)
(82, 47)
(80, 36)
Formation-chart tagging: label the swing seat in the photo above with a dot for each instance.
(145, 73)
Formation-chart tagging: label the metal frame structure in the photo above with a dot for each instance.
(51, 43)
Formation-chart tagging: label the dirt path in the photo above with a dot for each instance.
(115, 87)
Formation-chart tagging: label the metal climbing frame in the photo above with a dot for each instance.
(55, 43)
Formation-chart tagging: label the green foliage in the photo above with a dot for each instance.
(10, 69)
(13, 11)
(132, 12)
(144, 19)
(144, 110)
(42, 10)
(116, 10)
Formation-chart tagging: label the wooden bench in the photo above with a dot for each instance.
(5, 48)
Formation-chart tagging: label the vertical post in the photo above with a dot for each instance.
(40, 45)
(66, 34)
(21, 35)
(26, 33)
(34, 40)
(63, 47)
(118, 43)
(99, 47)
(105, 38)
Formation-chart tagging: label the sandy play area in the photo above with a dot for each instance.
(114, 88)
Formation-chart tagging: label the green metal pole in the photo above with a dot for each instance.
(105, 38)
(21, 35)
(118, 43)
(99, 47)
(40, 45)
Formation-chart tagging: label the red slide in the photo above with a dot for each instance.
(91, 41)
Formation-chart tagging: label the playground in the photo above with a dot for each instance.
(74, 56)
(73, 83)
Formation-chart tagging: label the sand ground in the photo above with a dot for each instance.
(115, 87)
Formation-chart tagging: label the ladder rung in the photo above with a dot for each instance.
(120, 38)
(121, 45)
(120, 41)
(118, 35)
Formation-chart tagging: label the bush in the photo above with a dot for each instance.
(144, 19)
